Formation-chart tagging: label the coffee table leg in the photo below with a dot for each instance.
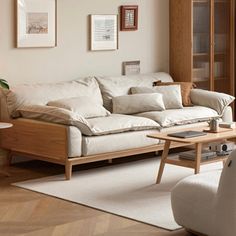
(198, 157)
(163, 158)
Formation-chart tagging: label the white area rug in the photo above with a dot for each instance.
(127, 190)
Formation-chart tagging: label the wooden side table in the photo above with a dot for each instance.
(5, 126)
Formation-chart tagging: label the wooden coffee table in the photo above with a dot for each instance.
(198, 143)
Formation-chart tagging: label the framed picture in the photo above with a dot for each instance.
(128, 18)
(131, 67)
(104, 32)
(36, 23)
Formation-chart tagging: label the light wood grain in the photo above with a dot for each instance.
(37, 138)
(163, 161)
(198, 142)
(49, 142)
(181, 44)
(28, 213)
(209, 137)
(181, 61)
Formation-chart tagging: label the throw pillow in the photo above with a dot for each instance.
(171, 94)
(131, 104)
(84, 106)
(185, 90)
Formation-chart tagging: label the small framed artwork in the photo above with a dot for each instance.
(36, 23)
(131, 67)
(104, 32)
(128, 18)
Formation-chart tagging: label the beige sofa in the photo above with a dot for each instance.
(60, 136)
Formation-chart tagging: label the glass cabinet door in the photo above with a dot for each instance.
(221, 68)
(201, 43)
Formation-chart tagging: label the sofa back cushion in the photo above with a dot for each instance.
(41, 94)
(118, 86)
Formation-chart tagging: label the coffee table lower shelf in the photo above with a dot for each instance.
(192, 163)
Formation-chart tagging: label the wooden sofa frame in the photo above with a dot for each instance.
(49, 142)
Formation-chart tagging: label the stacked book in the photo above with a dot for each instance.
(229, 125)
(191, 155)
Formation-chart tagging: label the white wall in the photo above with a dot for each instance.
(71, 58)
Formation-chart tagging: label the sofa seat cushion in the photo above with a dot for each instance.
(114, 86)
(41, 94)
(117, 123)
(186, 115)
(117, 142)
(114, 123)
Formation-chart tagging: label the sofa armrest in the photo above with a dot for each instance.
(217, 101)
(228, 114)
(37, 138)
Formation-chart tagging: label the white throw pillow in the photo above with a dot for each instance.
(171, 94)
(136, 103)
(214, 100)
(84, 106)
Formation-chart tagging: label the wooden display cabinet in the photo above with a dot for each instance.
(202, 43)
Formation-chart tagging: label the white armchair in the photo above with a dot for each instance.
(206, 203)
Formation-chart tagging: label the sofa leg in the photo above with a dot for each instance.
(68, 170)
(110, 161)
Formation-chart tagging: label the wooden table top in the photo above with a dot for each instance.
(209, 137)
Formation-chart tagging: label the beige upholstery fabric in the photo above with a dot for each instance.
(84, 106)
(228, 114)
(55, 115)
(41, 94)
(74, 142)
(117, 142)
(127, 140)
(205, 203)
(118, 86)
(116, 123)
(214, 100)
(184, 126)
(136, 103)
(94, 126)
(185, 90)
(171, 94)
(180, 116)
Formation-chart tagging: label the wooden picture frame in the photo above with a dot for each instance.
(36, 23)
(129, 17)
(103, 32)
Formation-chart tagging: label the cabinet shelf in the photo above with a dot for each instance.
(202, 43)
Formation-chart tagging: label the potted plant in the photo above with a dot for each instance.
(4, 83)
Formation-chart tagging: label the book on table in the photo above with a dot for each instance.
(191, 155)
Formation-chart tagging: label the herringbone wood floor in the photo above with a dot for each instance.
(23, 212)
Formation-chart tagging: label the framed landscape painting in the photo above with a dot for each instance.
(36, 23)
